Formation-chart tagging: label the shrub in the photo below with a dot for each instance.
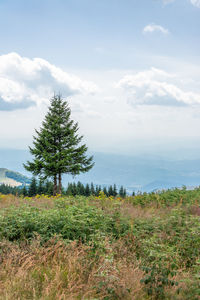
(70, 223)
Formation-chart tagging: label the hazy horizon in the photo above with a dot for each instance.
(169, 149)
(140, 172)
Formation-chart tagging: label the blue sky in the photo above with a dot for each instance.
(98, 33)
(130, 69)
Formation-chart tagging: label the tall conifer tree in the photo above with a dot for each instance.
(56, 146)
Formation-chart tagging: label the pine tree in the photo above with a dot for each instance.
(114, 190)
(56, 148)
(110, 191)
(98, 190)
(80, 189)
(105, 191)
(69, 189)
(40, 188)
(121, 192)
(24, 191)
(48, 189)
(87, 190)
(74, 189)
(32, 191)
(92, 190)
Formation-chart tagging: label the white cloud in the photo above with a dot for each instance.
(155, 87)
(195, 3)
(153, 27)
(26, 82)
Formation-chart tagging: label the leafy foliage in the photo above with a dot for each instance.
(71, 223)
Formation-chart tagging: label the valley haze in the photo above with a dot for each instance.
(135, 173)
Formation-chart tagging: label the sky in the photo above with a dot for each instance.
(129, 69)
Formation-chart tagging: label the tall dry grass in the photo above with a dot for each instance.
(74, 271)
(12, 200)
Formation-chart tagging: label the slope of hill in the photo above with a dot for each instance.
(12, 178)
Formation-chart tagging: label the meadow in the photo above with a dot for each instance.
(138, 247)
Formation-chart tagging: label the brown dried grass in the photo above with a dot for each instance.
(59, 271)
(12, 200)
(195, 210)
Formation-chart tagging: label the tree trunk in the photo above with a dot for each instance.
(55, 187)
(60, 184)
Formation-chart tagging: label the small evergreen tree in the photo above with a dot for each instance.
(98, 190)
(78, 188)
(40, 190)
(32, 191)
(56, 148)
(82, 190)
(74, 189)
(121, 191)
(6, 189)
(110, 191)
(92, 190)
(114, 190)
(24, 191)
(48, 189)
(69, 189)
(87, 190)
(105, 191)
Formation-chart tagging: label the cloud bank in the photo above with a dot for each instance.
(153, 27)
(195, 3)
(27, 82)
(155, 87)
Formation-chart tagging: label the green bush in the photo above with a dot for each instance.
(70, 223)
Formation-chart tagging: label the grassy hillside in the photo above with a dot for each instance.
(12, 178)
(142, 247)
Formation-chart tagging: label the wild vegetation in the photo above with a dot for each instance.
(99, 247)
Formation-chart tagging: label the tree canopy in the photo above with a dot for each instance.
(57, 147)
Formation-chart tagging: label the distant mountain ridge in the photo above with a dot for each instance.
(12, 178)
(138, 173)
